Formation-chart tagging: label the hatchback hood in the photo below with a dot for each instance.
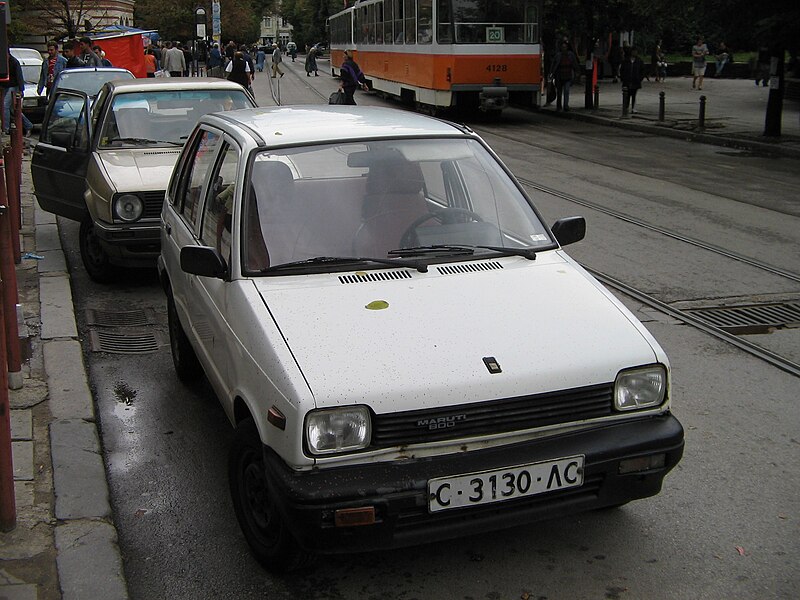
(139, 169)
(420, 341)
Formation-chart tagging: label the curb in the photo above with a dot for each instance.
(692, 136)
(88, 557)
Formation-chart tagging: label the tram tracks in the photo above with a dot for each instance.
(686, 317)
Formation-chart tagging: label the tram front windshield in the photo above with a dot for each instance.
(488, 22)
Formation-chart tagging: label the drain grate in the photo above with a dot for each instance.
(750, 318)
(103, 340)
(128, 318)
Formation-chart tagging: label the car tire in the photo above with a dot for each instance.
(259, 518)
(187, 366)
(94, 258)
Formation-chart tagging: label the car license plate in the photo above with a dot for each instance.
(486, 487)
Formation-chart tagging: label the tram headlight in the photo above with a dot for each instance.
(642, 387)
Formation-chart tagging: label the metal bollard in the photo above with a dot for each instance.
(596, 96)
(661, 106)
(625, 101)
(701, 121)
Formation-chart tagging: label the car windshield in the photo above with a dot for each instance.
(432, 197)
(89, 81)
(31, 74)
(168, 116)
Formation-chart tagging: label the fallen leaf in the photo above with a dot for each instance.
(740, 550)
(139, 513)
(525, 596)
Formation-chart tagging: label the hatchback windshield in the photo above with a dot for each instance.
(143, 118)
(382, 199)
(88, 81)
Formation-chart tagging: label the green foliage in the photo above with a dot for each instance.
(240, 19)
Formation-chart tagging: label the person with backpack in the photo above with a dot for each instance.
(351, 77)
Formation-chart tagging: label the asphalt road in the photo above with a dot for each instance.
(725, 525)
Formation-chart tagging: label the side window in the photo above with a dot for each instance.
(218, 208)
(190, 188)
(66, 126)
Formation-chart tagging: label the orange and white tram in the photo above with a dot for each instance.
(444, 53)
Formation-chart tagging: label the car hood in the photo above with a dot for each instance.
(421, 341)
(139, 169)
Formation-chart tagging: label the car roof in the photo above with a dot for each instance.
(173, 83)
(290, 125)
(27, 56)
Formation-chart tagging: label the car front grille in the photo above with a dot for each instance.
(493, 416)
(152, 204)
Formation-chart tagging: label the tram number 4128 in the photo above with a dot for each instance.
(497, 68)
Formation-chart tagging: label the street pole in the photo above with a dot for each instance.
(772, 121)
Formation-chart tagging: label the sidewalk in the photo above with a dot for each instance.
(735, 113)
(65, 542)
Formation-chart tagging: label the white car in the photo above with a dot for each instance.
(33, 103)
(403, 346)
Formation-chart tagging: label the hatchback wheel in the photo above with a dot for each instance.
(254, 503)
(94, 257)
(187, 366)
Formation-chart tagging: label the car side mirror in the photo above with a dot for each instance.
(569, 230)
(203, 261)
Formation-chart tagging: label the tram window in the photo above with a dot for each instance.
(410, 21)
(444, 26)
(371, 24)
(424, 21)
(388, 19)
(478, 22)
(379, 23)
(398, 21)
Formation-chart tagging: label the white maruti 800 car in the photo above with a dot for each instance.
(403, 346)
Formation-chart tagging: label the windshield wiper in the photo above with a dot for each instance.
(134, 140)
(343, 260)
(455, 249)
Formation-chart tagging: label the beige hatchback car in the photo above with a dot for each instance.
(106, 163)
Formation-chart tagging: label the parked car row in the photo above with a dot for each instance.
(401, 343)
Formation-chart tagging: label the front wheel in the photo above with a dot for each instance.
(95, 259)
(254, 502)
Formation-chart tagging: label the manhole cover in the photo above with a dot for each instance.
(116, 318)
(750, 318)
(103, 340)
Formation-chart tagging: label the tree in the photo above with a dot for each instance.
(240, 19)
(58, 18)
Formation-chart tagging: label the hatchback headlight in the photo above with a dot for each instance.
(642, 387)
(336, 430)
(128, 207)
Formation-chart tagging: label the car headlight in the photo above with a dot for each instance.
(642, 387)
(336, 430)
(128, 207)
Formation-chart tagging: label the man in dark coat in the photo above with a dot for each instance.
(631, 72)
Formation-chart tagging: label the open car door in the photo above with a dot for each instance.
(60, 159)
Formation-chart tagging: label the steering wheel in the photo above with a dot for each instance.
(445, 215)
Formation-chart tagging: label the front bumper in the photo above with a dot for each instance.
(398, 490)
(130, 245)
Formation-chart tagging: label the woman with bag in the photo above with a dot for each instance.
(238, 70)
(351, 77)
(311, 61)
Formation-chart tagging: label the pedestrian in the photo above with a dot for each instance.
(723, 57)
(238, 70)
(87, 55)
(631, 73)
(214, 63)
(14, 83)
(51, 67)
(699, 53)
(311, 61)
(564, 65)
(187, 58)
(351, 77)
(103, 60)
(655, 58)
(72, 49)
(615, 60)
(173, 62)
(261, 58)
(250, 64)
(150, 64)
(276, 61)
(762, 66)
(661, 63)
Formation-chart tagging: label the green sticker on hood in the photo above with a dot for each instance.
(377, 305)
